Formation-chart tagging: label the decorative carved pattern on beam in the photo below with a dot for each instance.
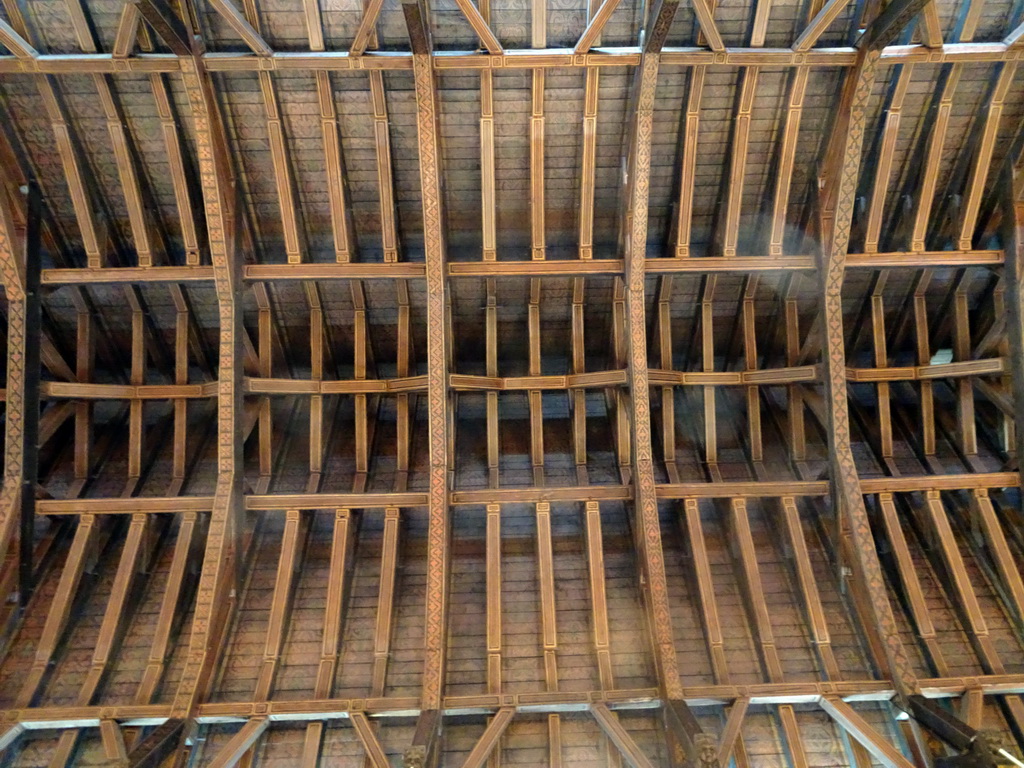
(848, 498)
(221, 558)
(19, 271)
(12, 271)
(438, 533)
(647, 522)
(646, 503)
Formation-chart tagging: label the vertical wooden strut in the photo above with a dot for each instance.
(683, 733)
(20, 274)
(837, 214)
(218, 578)
(425, 749)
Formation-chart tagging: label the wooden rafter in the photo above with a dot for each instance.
(15, 43)
(480, 25)
(983, 156)
(817, 25)
(595, 26)
(242, 26)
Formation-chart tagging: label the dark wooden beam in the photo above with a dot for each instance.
(155, 747)
(168, 27)
(30, 397)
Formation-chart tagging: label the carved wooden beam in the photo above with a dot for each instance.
(648, 527)
(729, 224)
(118, 612)
(167, 25)
(706, 19)
(438, 534)
(787, 158)
(931, 25)
(619, 700)
(128, 28)
(836, 211)
(366, 32)
(222, 557)
(160, 743)
(147, 233)
(688, 164)
(240, 742)
(81, 558)
(817, 25)
(19, 271)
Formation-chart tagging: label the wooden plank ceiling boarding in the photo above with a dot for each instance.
(514, 383)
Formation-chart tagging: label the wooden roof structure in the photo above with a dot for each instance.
(512, 383)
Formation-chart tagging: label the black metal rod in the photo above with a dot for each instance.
(30, 412)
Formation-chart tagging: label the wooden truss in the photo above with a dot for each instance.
(210, 539)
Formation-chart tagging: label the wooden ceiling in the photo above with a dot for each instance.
(512, 383)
